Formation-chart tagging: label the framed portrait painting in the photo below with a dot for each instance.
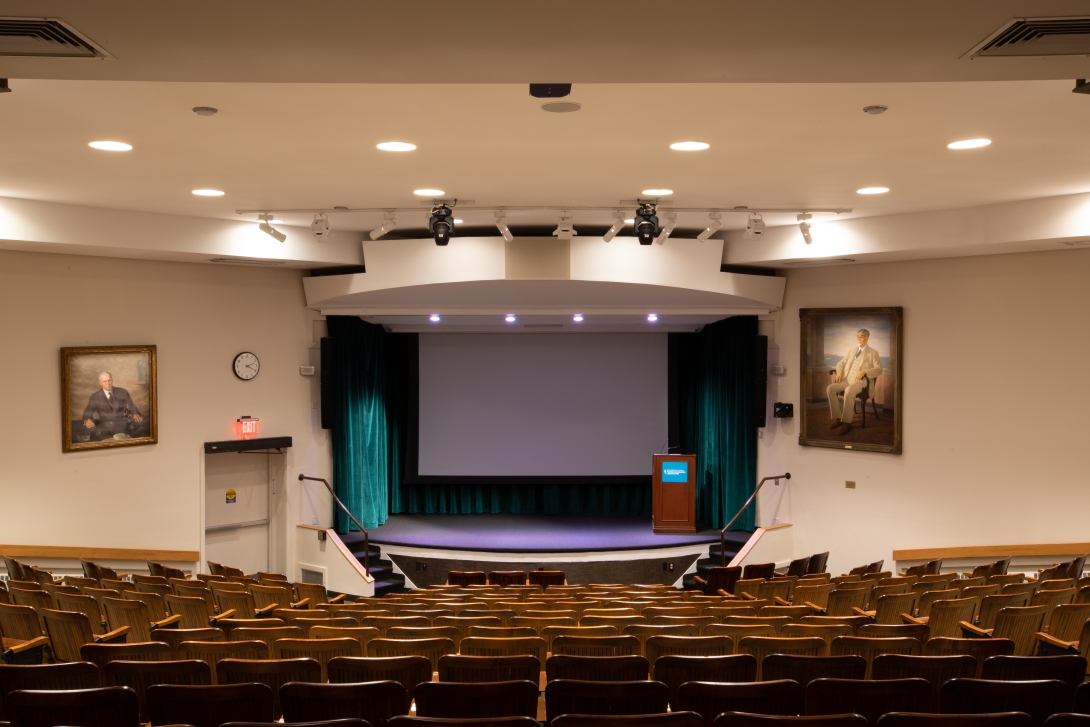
(108, 397)
(851, 368)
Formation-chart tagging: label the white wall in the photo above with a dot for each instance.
(199, 317)
(996, 399)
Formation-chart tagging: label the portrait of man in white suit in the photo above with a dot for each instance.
(857, 371)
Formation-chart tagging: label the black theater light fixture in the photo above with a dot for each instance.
(647, 223)
(441, 224)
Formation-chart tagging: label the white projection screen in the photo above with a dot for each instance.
(541, 404)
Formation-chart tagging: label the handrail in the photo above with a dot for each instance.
(723, 532)
(366, 541)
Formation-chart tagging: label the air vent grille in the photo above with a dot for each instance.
(45, 37)
(1039, 37)
(243, 261)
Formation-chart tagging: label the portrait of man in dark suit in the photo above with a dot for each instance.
(111, 411)
(109, 397)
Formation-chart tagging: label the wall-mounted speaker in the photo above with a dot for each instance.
(327, 402)
(760, 381)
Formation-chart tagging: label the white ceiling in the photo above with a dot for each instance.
(280, 146)
(498, 41)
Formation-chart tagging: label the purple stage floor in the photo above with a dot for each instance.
(534, 533)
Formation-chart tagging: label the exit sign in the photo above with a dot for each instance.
(247, 427)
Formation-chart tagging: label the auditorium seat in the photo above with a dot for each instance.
(871, 699)
(376, 702)
(209, 706)
(140, 675)
(486, 699)
(69, 631)
(805, 669)
(1039, 699)
(567, 696)
(101, 707)
(274, 673)
(935, 669)
(710, 699)
(77, 675)
(408, 671)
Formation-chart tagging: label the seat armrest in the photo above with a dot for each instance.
(267, 610)
(117, 636)
(171, 622)
(337, 599)
(780, 602)
(818, 610)
(698, 579)
(913, 621)
(229, 613)
(860, 612)
(970, 631)
(304, 603)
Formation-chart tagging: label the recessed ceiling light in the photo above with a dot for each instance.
(968, 144)
(872, 190)
(429, 192)
(510, 318)
(208, 192)
(657, 192)
(652, 317)
(578, 317)
(690, 146)
(110, 145)
(396, 146)
(434, 318)
(561, 107)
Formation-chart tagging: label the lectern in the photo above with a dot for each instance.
(673, 493)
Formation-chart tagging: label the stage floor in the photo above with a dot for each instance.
(534, 533)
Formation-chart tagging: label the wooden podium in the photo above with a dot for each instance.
(673, 493)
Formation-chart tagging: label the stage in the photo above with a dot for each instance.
(588, 548)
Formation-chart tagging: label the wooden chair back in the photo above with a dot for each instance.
(869, 648)
(979, 649)
(616, 645)
(376, 702)
(870, 699)
(673, 670)
(1039, 699)
(567, 696)
(408, 671)
(140, 675)
(1021, 625)
(456, 700)
(78, 675)
(274, 673)
(463, 668)
(709, 699)
(805, 669)
(762, 646)
(102, 707)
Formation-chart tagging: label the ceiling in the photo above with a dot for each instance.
(498, 41)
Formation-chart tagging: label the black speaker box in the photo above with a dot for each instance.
(326, 383)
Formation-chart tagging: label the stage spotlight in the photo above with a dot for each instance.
(618, 224)
(441, 225)
(565, 227)
(320, 228)
(389, 222)
(755, 228)
(269, 229)
(713, 226)
(804, 226)
(647, 223)
(671, 223)
(501, 225)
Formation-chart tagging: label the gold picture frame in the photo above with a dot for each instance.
(829, 338)
(108, 397)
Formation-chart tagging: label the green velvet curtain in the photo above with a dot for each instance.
(715, 403)
(368, 428)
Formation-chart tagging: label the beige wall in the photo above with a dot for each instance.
(199, 316)
(996, 405)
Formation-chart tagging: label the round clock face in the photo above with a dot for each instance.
(246, 366)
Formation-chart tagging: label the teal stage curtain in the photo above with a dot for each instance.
(368, 439)
(715, 403)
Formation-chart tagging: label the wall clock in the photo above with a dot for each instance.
(246, 366)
